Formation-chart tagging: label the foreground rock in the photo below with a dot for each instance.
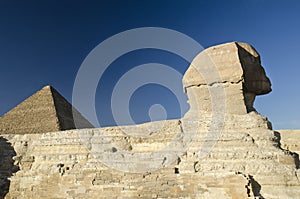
(221, 148)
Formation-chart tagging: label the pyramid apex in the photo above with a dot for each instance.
(47, 87)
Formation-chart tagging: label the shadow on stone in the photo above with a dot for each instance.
(295, 155)
(256, 81)
(256, 187)
(278, 138)
(7, 167)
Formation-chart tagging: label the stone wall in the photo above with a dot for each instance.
(243, 164)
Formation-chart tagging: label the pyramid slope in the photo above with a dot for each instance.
(65, 111)
(44, 111)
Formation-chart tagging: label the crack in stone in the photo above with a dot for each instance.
(215, 83)
(252, 186)
(297, 176)
(181, 136)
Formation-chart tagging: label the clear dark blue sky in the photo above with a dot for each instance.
(45, 42)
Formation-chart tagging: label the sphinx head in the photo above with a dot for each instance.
(236, 67)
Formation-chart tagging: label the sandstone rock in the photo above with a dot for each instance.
(45, 111)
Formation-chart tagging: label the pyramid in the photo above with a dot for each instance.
(44, 111)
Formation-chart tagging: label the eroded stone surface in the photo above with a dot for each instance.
(246, 160)
(290, 140)
(234, 66)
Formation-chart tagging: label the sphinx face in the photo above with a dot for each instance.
(255, 78)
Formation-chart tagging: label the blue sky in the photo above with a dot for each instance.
(45, 42)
